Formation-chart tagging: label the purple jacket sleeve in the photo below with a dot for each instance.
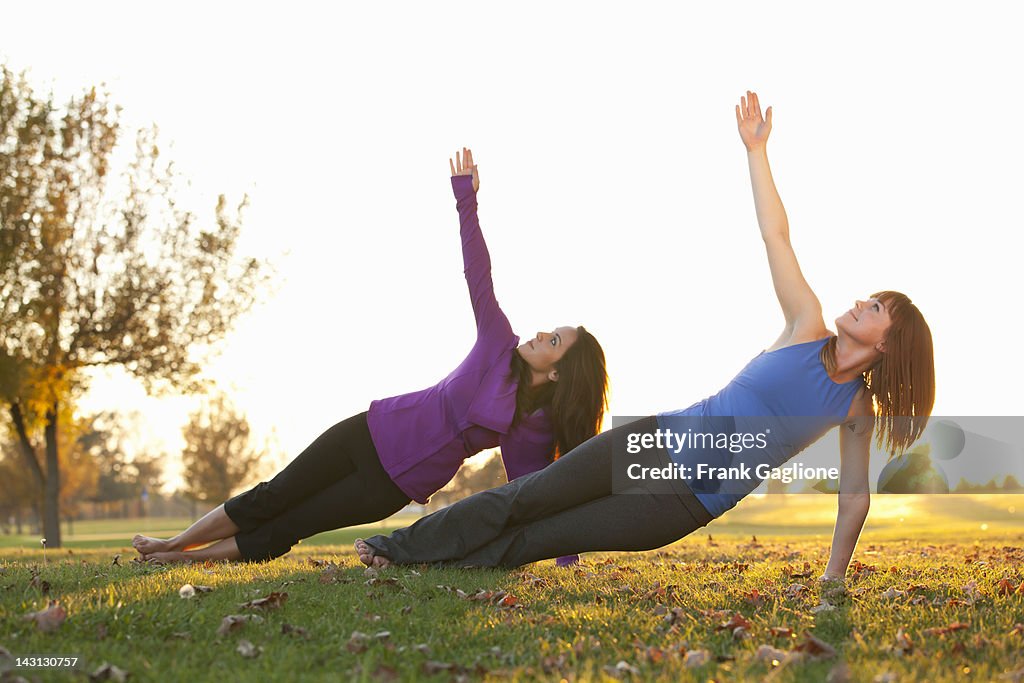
(475, 257)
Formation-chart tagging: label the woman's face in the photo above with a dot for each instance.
(867, 323)
(547, 348)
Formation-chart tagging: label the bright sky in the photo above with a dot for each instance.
(614, 192)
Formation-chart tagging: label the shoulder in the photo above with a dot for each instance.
(861, 418)
(800, 335)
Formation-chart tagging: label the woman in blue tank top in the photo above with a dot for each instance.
(874, 376)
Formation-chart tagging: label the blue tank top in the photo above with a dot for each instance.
(786, 391)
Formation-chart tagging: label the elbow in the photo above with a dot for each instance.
(854, 504)
(777, 232)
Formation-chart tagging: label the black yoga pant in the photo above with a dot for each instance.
(337, 481)
(566, 508)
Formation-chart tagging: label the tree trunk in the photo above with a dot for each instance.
(25, 445)
(17, 521)
(51, 499)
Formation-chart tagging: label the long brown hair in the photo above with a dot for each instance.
(902, 382)
(576, 403)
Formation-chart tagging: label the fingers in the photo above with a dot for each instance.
(768, 114)
(452, 164)
(750, 107)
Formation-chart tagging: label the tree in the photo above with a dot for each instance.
(16, 487)
(121, 477)
(79, 473)
(99, 271)
(471, 479)
(218, 455)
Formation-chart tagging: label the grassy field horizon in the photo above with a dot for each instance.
(891, 517)
(935, 592)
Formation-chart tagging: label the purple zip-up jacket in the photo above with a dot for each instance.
(423, 437)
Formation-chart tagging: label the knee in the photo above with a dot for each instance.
(265, 543)
(280, 541)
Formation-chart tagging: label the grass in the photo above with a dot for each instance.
(635, 616)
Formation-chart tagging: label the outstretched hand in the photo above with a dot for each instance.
(754, 129)
(464, 166)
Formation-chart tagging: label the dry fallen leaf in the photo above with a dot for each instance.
(904, 645)
(815, 647)
(533, 580)
(248, 650)
(972, 592)
(796, 590)
(794, 574)
(288, 629)
(37, 582)
(736, 621)
(676, 615)
(233, 622)
(621, 669)
(892, 593)
(272, 601)
(49, 619)
(770, 655)
(357, 642)
(430, 668)
(943, 630)
(109, 672)
(754, 597)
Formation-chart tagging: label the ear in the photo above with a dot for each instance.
(553, 376)
(880, 346)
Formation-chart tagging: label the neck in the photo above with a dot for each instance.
(537, 378)
(852, 360)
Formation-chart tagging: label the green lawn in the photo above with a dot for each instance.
(118, 533)
(927, 598)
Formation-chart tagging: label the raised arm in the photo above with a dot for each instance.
(800, 306)
(854, 487)
(475, 258)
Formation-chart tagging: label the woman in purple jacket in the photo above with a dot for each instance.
(535, 400)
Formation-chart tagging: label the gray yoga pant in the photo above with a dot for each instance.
(568, 507)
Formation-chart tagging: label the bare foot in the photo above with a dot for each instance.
(368, 556)
(168, 557)
(146, 545)
(364, 551)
